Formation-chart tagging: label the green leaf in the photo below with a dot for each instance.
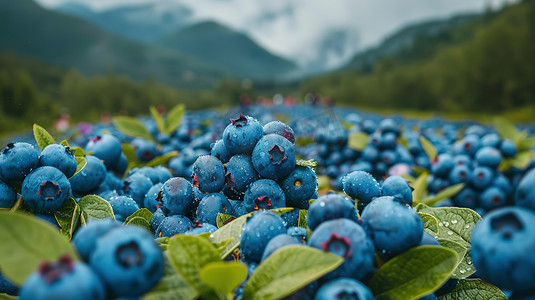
(138, 221)
(358, 141)
(188, 255)
(42, 137)
(464, 267)
(77, 151)
(222, 219)
(220, 246)
(455, 223)
(302, 221)
(288, 270)
(81, 162)
(174, 118)
(65, 143)
(172, 286)
(444, 194)
(223, 277)
(163, 241)
(324, 183)
(430, 223)
(474, 289)
(132, 127)
(231, 230)
(162, 159)
(130, 153)
(7, 297)
(142, 213)
(413, 274)
(522, 159)
(17, 204)
(526, 144)
(307, 163)
(303, 141)
(282, 210)
(157, 118)
(26, 242)
(68, 217)
(428, 148)
(419, 188)
(506, 129)
(95, 207)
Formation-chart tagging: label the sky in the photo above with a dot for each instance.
(294, 28)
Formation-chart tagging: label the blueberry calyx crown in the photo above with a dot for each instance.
(159, 199)
(195, 225)
(345, 295)
(229, 180)
(241, 121)
(129, 255)
(49, 190)
(52, 271)
(69, 151)
(195, 181)
(506, 225)
(8, 147)
(96, 139)
(261, 199)
(338, 245)
(276, 154)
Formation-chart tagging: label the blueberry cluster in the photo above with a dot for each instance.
(118, 262)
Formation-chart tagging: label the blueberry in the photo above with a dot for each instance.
(150, 201)
(299, 187)
(299, 233)
(470, 144)
(460, 174)
(64, 279)
(209, 174)
(525, 193)
(242, 134)
(17, 160)
(106, 147)
(508, 148)
(221, 151)
(89, 179)
(60, 157)
(291, 218)
(491, 140)
(443, 165)
(278, 242)
(45, 189)
(198, 228)
(397, 187)
(263, 194)
(85, 238)
(258, 231)
(492, 197)
(482, 177)
(280, 128)
(240, 173)
(394, 227)
(343, 288)
(347, 239)
(176, 196)
(428, 240)
(123, 207)
(8, 195)
(274, 157)
(489, 157)
(361, 185)
(172, 225)
(145, 150)
(50, 218)
(137, 186)
(330, 207)
(156, 219)
(149, 172)
(122, 165)
(129, 261)
(110, 183)
(211, 205)
(500, 242)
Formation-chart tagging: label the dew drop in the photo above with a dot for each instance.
(453, 221)
(450, 232)
(446, 224)
(440, 224)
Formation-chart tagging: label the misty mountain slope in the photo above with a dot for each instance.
(221, 46)
(403, 41)
(142, 22)
(30, 30)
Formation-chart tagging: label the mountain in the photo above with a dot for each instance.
(227, 49)
(405, 39)
(30, 30)
(485, 65)
(141, 22)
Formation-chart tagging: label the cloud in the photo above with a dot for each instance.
(295, 28)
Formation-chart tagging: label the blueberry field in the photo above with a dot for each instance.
(300, 202)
